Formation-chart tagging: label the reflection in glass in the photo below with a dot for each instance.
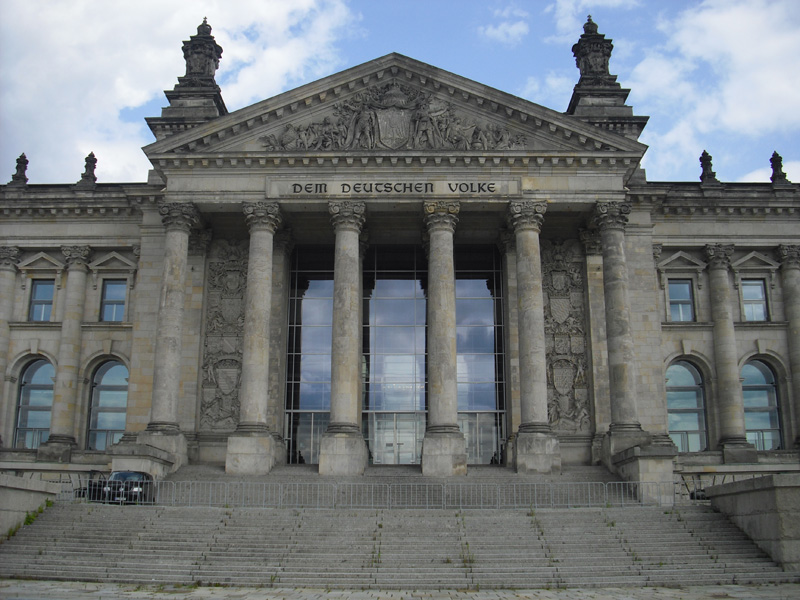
(686, 407)
(34, 405)
(761, 416)
(109, 405)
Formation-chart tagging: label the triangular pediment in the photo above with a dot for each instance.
(755, 261)
(112, 261)
(681, 261)
(392, 105)
(40, 262)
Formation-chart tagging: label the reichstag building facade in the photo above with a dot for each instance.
(398, 265)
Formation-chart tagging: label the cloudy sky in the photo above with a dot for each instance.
(721, 75)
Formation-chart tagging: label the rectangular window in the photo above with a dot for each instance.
(754, 300)
(112, 304)
(41, 305)
(681, 302)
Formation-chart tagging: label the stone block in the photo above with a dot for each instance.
(342, 453)
(444, 454)
(252, 454)
(537, 453)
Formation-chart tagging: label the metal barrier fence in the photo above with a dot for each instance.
(251, 494)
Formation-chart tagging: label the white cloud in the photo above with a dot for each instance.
(570, 15)
(115, 55)
(791, 168)
(554, 91)
(511, 30)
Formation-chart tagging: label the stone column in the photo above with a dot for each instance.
(9, 255)
(65, 391)
(252, 449)
(444, 450)
(730, 401)
(342, 448)
(511, 350)
(537, 448)
(790, 276)
(625, 431)
(163, 431)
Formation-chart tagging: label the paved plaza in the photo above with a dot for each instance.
(60, 590)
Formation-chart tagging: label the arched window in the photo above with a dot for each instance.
(761, 418)
(686, 407)
(34, 405)
(109, 405)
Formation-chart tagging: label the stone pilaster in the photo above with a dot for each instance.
(163, 431)
(9, 255)
(730, 402)
(65, 391)
(625, 431)
(511, 354)
(537, 448)
(279, 317)
(252, 449)
(790, 276)
(444, 448)
(342, 449)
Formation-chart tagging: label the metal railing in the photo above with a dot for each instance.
(252, 494)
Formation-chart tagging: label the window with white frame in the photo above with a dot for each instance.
(34, 404)
(754, 300)
(761, 415)
(109, 405)
(686, 407)
(112, 300)
(681, 300)
(41, 302)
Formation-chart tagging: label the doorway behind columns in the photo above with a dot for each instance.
(394, 353)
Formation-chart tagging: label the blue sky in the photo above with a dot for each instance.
(720, 75)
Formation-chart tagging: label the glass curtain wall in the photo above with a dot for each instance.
(394, 401)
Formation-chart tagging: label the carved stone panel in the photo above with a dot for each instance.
(565, 334)
(224, 324)
(394, 117)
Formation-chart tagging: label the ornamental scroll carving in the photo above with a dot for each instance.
(565, 336)
(224, 326)
(394, 117)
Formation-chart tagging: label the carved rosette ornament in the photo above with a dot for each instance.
(565, 336)
(719, 255)
(76, 256)
(441, 214)
(526, 215)
(790, 256)
(9, 256)
(347, 214)
(611, 215)
(179, 215)
(224, 329)
(262, 215)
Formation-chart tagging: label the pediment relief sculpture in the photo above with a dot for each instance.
(394, 117)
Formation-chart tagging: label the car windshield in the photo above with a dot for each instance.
(126, 476)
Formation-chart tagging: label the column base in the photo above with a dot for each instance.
(172, 442)
(537, 452)
(621, 437)
(342, 451)
(738, 451)
(444, 453)
(252, 453)
(58, 449)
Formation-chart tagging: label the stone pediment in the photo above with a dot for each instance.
(396, 105)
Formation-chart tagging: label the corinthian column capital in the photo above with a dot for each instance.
(441, 214)
(719, 255)
(262, 216)
(526, 215)
(179, 215)
(790, 256)
(9, 256)
(76, 256)
(347, 214)
(611, 215)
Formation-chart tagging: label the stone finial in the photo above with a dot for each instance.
(202, 54)
(20, 177)
(778, 176)
(592, 53)
(707, 175)
(88, 178)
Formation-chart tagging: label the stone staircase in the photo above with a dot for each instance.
(376, 548)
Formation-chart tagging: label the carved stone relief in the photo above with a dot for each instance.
(222, 357)
(565, 335)
(394, 117)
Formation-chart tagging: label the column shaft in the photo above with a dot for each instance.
(526, 219)
(178, 218)
(790, 276)
(611, 218)
(263, 219)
